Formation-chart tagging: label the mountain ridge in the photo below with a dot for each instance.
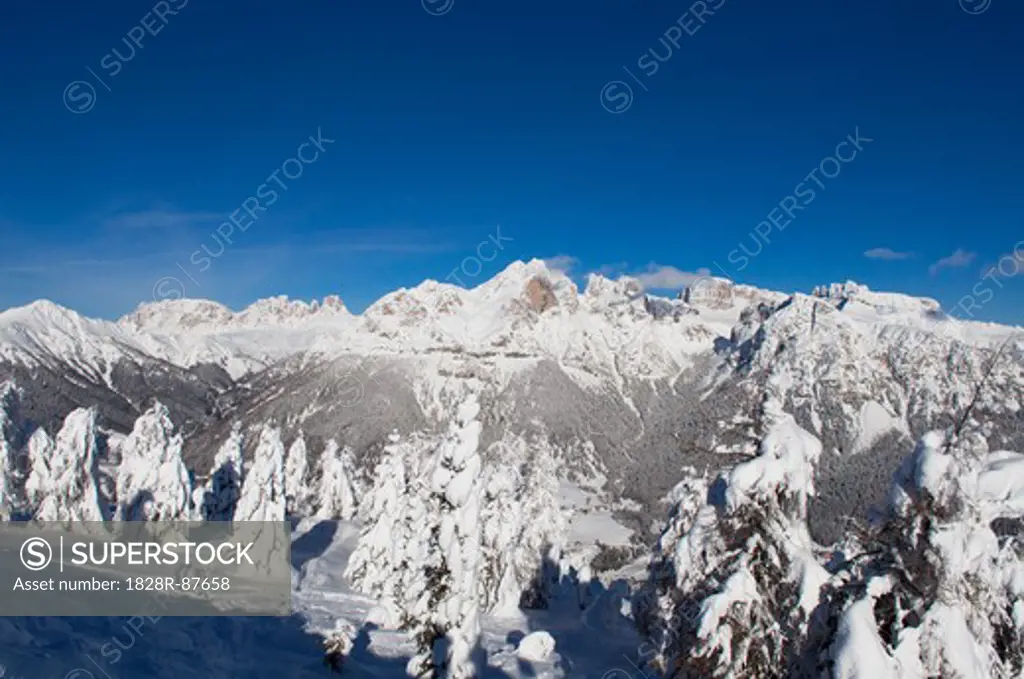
(631, 386)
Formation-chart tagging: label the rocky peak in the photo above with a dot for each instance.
(176, 315)
(624, 288)
(280, 309)
(839, 291)
(841, 294)
(659, 308)
(540, 294)
(330, 303)
(427, 298)
(538, 285)
(708, 292)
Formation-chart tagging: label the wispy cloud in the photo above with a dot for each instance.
(959, 259)
(887, 254)
(162, 219)
(664, 277)
(612, 269)
(564, 263)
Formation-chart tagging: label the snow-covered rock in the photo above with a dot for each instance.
(536, 646)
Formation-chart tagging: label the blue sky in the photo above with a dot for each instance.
(447, 118)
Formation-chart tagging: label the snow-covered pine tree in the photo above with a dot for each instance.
(654, 604)
(296, 479)
(39, 480)
(942, 593)
(153, 483)
(262, 497)
(523, 527)
(420, 549)
(336, 495)
(67, 484)
(391, 545)
(218, 500)
(745, 576)
(442, 606)
(546, 525)
(502, 521)
(9, 500)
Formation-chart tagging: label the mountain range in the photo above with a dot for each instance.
(631, 388)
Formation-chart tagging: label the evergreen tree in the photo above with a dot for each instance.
(442, 607)
(218, 500)
(942, 592)
(336, 496)
(39, 480)
(296, 482)
(9, 500)
(384, 561)
(262, 497)
(421, 546)
(67, 483)
(523, 527)
(153, 483)
(733, 592)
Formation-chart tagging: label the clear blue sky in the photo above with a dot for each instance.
(449, 119)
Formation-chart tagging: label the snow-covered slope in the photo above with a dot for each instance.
(44, 331)
(867, 373)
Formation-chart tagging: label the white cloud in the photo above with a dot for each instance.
(163, 219)
(959, 259)
(612, 269)
(887, 254)
(664, 277)
(563, 263)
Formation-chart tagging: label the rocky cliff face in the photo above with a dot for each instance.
(540, 294)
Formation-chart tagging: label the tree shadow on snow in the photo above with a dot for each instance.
(362, 662)
(313, 543)
(583, 617)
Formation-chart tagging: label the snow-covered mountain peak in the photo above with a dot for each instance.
(603, 291)
(174, 316)
(882, 302)
(722, 294)
(520, 271)
(409, 305)
(45, 328)
(181, 316)
(536, 284)
(446, 313)
(282, 311)
(42, 313)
